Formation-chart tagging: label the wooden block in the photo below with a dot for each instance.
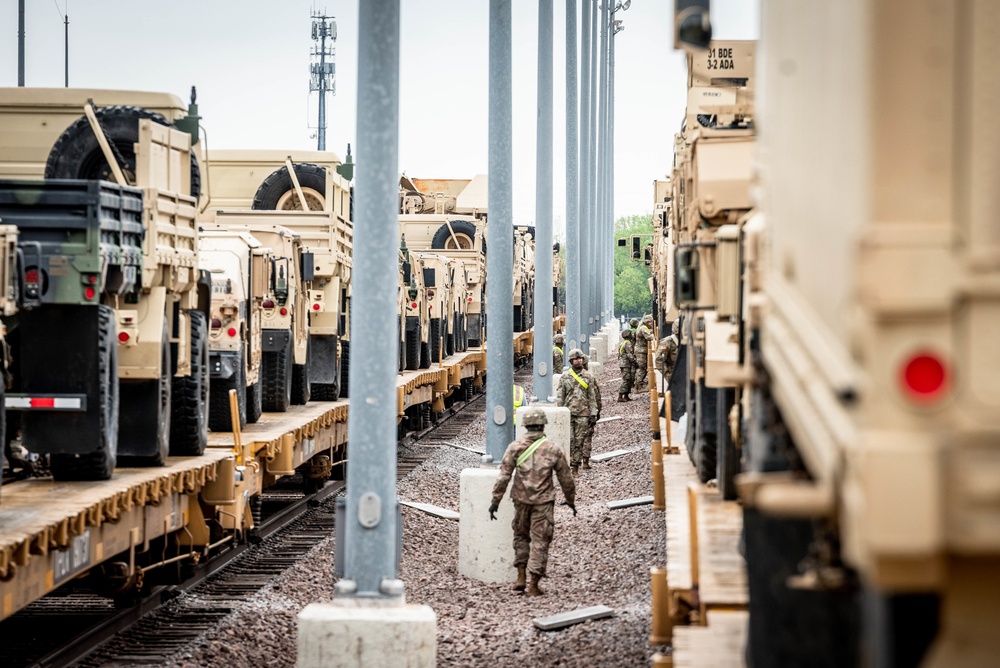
(609, 419)
(564, 619)
(436, 511)
(627, 503)
(609, 455)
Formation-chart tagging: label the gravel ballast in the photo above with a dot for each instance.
(600, 557)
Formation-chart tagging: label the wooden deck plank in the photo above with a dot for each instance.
(679, 473)
(723, 570)
(719, 645)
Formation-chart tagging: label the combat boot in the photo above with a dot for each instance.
(621, 398)
(586, 463)
(522, 571)
(575, 468)
(533, 588)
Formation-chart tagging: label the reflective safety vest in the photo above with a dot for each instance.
(582, 382)
(557, 349)
(518, 400)
(523, 457)
(622, 346)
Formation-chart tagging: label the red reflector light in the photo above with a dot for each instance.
(216, 323)
(231, 331)
(268, 303)
(924, 377)
(315, 307)
(92, 279)
(123, 337)
(430, 293)
(413, 305)
(89, 293)
(43, 402)
(283, 311)
(470, 300)
(31, 276)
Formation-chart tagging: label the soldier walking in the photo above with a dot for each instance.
(643, 336)
(535, 458)
(588, 441)
(557, 353)
(626, 362)
(666, 351)
(576, 392)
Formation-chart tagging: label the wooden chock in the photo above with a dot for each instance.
(662, 632)
(659, 488)
(234, 412)
(693, 521)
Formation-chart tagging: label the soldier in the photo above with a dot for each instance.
(520, 399)
(576, 391)
(643, 336)
(666, 351)
(535, 458)
(626, 362)
(557, 353)
(589, 440)
(634, 324)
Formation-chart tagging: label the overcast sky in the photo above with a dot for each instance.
(250, 61)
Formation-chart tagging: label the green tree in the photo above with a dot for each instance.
(632, 296)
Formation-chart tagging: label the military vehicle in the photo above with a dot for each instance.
(240, 270)
(868, 316)
(438, 272)
(9, 299)
(660, 251)
(141, 284)
(709, 201)
(524, 278)
(308, 192)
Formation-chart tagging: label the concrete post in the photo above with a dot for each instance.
(558, 428)
(369, 623)
(485, 546)
(574, 321)
(499, 293)
(542, 352)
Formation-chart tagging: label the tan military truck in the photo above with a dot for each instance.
(524, 278)
(713, 165)
(284, 310)
(308, 192)
(449, 216)
(660, 256)
(240, 270)
(158, 307)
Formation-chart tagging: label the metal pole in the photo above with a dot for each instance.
(500, 231)
(20, 42)
(542, 355)
(574, 322)
(586, 198)
(321, 133)
(595, 277)
(602, 170)
(611, 167)
(66, 48)
(371, 530)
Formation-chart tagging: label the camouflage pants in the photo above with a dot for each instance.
(627, 379)
(533, 528)
(640, 370)
(579, 427)
(588, 441)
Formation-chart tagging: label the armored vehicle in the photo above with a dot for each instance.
(240, 270)
(124, 263)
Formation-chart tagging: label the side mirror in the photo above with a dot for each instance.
(308, 267)
(623, 243)
(430, 278)
(406, 272)
(692, 24)
(686, 263)
(636, 248)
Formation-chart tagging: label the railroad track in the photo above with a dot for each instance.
(76, 626)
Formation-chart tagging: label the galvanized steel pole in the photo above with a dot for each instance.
(20, 42)
(602, 170)
(499, 268)
(611, 172)
(595, 277)
(574, 322)
(586, 194)
(542, 355)
(371, 531)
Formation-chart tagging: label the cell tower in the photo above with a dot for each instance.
(322, 74)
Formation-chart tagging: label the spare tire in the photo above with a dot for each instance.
(277, 192)
(78, 155)
(465, 231)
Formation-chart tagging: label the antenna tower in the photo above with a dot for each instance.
(322, 73)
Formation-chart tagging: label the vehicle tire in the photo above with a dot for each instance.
(727, 458)
(413, 346)
(434, 339)
(345, 367)
(425, 354)
(300, 384)
(78, 155)
(276, 378)
(465, 232)
(145, 414)
(219, 414)
(518, 326)
(277, 192)
(706, 438)
(99, 464)
(189, 419)
(325, 391)
(255, 400)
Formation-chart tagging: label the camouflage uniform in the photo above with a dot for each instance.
(534, 497)
(588, 441)
(666, 356)
(626, 362)
(557, 359)
(582, 404)
(643, 336)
